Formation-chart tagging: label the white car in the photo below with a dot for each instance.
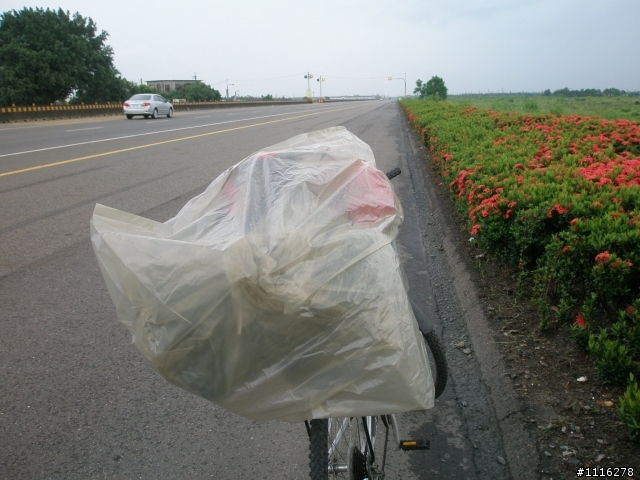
(148, 105)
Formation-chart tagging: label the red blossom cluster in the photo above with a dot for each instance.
(557, 208)
(604, 258)
(620, 171)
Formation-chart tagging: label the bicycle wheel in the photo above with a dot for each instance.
(339, 448)
(440, 369)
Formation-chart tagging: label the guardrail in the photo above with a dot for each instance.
(52, 112)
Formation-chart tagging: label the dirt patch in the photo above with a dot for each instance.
(564, 405)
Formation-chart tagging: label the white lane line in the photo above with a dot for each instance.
(83, 129)
(148, 133)
(157, 121)
(206, 116)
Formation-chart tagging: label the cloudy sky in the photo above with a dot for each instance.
(267, 46)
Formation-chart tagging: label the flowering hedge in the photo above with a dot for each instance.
(558, 195)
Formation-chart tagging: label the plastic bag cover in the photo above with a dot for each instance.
(277, 293)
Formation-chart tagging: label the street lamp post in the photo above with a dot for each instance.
(232, 84)
(403, 79)
(320, 80)
(308, 76)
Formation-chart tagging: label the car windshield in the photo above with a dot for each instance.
(141, 97)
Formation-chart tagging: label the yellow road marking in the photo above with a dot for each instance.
(114, 152)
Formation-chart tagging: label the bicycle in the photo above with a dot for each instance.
(219, 298)
(346, 447)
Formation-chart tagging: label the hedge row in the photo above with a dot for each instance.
(560, 197)
(557, 195)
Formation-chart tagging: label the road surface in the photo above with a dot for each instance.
(77, 399)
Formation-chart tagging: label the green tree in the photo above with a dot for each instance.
(117, 90)
(611, 92)
(46, 55)
(434, 88)
(140, 88)
(195, 92)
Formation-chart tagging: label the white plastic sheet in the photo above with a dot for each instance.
(277, 293)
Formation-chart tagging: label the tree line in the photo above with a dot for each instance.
(191, 92)
(49, 56)
(590, 92)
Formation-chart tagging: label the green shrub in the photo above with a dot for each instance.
(616, 350)
(628, 408)
(581, 336)
(612, 358)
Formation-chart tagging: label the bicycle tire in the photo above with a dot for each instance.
(439, 359)
(318, 447)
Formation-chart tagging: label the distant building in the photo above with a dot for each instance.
(169, 85)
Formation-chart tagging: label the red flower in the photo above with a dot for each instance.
(566, 248)
(602, 257)
(558, 208)
(475, 229)
(580, 321)
(630, 309)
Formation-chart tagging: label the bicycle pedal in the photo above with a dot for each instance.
(419, 444)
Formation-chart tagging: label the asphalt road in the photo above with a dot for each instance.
(76, 398)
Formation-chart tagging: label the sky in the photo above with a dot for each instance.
(267, 47)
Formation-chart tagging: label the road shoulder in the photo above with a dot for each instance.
(516, 440)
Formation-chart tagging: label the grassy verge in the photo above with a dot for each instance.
(558, 196)
(612, 108)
